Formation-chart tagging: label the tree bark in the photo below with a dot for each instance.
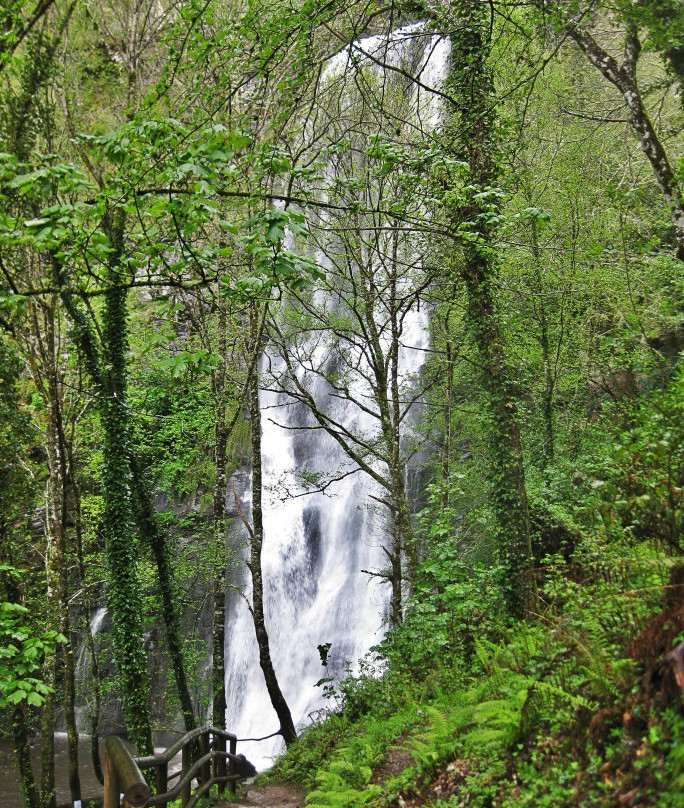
(48, 795)
(287, 728)
(112, 408)
(623, 77)
(120, 545)
(150, 532)
(218, 667)
(549, 447)
(22, 753)
(473, 125)
(59, 471)
(94, 705)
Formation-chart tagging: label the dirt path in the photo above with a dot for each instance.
(276, 796)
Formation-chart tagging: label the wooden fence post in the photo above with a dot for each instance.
(162, 780)
(220, 766)
(233, 770)
(205, 771)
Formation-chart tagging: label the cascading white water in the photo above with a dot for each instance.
(83, 669)
(317, 544)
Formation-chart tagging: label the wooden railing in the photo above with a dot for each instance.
(203, 759)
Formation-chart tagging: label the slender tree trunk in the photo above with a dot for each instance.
(220, 486)
(384, 364)
(94, 696)
(95, 708)
(48, 796)
(287, 728)
(22, 753)
(396, 578)
(549, 448)
(447, 414)
(60, 493)
(54, 524)
(43, 357)
(623, 77)
(397, 463)
(150, 533)
(474, 127)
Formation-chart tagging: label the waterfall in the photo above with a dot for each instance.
(317, 545)
(83, 670)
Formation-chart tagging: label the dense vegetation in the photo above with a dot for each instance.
(184, 185)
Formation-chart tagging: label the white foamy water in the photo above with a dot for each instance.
(317, 546)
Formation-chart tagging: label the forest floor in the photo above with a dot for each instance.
(268, 796)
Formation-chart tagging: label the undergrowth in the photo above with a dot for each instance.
(461, 706)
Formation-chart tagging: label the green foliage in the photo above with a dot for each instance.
(585, 307)
(16, 437)
(22, 650)
(344, 778)
(276, 266)
(639, 485)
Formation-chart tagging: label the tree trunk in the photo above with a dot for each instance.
(110, 382)
(94, 705)
(22, 752)
(623, 77)
(60, 472)
(549, 447)
(218, 667)
(150, 533)
(475, 140)
(48, 796)
(287, 728)
(43, 358)
(54, 525)
(120, 545)
(447, 413)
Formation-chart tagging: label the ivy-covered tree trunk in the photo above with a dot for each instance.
(123, 590)
(107, 368)
(150, 533)
(472, 132)
(287, 728)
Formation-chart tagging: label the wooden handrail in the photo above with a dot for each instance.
(122, 771)
(122, 776)
(170, 753)
(188, 776)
